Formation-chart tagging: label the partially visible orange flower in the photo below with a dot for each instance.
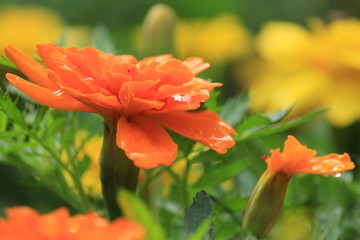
(297, 158)
(269, 193)
(136, 98)
(24, 223)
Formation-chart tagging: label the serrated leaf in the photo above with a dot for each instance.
(136, 210)
(201, 232)
(102, 39)
(11, 110)
(220, 173)
(199, 211)
(234, 109)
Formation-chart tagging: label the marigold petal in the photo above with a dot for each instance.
(329, 164)
(204, 127)
(173, 64)
(57, 60)
(196, 64)
(157, 147)
(196, 85)
(60, 225)
(28, 66)
(130, 230)
(54, 99)
(135, 105)
(107, 106)
(297, 158)
(296, 153)
(153, 62)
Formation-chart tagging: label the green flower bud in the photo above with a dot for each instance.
(159, 30)
(265, 203)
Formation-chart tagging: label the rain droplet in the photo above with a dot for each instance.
(58, 92)
(89, 79)
(337, 175)
(65, 67)
(180, 98)
(74, 228)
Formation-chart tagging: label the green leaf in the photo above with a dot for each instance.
(212, 102)
(279, 115)
(202, 230)
(235, 108)
(102, 39)
(252, 124)
(4, 61)
(206, 156)
(278, 127)
(220, 173)
(199, 211)
(11, 110)
(136, 210)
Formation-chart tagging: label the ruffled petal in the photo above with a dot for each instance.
(31, 68)
(107, 106)
(135, 105)
(330, 164)
(202, 126)
(297, 159)
(58, 99)
(57, 60)
(145, 142)
(196, 64)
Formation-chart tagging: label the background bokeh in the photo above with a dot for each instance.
(225, 33)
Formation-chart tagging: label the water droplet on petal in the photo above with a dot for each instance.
(337, 174)
(58, 92)
(74, 227)
(89, 79)
(180, 98)
(65, 67)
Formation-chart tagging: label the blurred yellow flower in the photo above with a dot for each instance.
(313, 69)
(90, 147)
(218, 40)
(24, 27)
(296, 224)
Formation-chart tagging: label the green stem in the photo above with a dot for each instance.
(185, 184)
(117, 171)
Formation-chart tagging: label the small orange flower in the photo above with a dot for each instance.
(138, 98)
(297, 158)
(269, 193)
(24, 223)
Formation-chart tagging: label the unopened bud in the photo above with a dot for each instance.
(159, 30)
(265, 203)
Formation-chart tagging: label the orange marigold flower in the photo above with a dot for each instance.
(139, 98)
(24, 223)
(297, 158)
(269, 193)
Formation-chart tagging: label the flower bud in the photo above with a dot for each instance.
(265, 203)
(159, 29)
